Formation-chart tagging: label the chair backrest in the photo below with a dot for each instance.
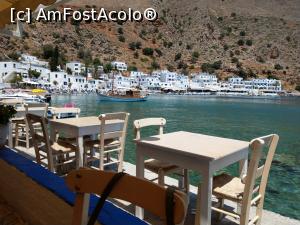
(40, 138)
(143, 193)
(147, 122)
(256, 171)
(119, 134)
(39, 109)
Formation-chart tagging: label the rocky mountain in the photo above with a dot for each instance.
(248, 38)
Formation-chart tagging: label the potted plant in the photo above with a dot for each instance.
(6, 113)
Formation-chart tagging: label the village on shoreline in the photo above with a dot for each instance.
(29, 71)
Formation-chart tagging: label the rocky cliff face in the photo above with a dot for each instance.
(250, 38)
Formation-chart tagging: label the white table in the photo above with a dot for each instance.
(79, 127)
(202, 153)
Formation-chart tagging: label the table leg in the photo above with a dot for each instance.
(79, 161)
(203, 210)
(139, 212)
(10, 134)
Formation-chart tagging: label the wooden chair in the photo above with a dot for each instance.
(245, 190)
(109, 143)
(143, 193)
(157, 166)
(55, 154)
(21, 125)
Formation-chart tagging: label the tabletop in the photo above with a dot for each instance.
(196, 145)
(82, 121)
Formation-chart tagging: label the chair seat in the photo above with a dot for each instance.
(60, 147)
(156, 166)
(18, 120)
(73, 140)
(96, 143)
(229, 187)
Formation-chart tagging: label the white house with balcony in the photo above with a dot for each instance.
(171, 81)
(204, 82)
(253, 86)
(33, 60)
(120, 66)
(75, 67)
(150, 83)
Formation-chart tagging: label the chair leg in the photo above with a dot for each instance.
(198, 207)
(161, 178)
(186, 181)
(238, 208)
(27, 137)
(221, 206)
(16, 135)
(259, 210)
(101, 160)
(85, 157)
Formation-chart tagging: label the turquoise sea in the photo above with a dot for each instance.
(239, 118)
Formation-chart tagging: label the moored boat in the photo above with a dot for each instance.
(128, 96)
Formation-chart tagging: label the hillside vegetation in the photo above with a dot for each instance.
(227, 37)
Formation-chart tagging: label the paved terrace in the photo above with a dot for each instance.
(269, 218)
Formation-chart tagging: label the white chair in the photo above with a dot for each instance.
(247, 191)
(21, 125)
(157, 166)
(52, 154)
(109, 148)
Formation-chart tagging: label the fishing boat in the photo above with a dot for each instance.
(127, 95)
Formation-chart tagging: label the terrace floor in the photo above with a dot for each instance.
(269, 218)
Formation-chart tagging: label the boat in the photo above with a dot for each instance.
(27, 98)
(129, 96)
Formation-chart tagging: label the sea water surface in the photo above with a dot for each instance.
(238, 118)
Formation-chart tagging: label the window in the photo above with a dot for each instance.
(14, 65)
(65, 76)
(55, 75)
(5, 65)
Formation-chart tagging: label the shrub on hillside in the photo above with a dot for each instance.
(177, 56)
(148, 51)
(241, 42)
(121, 38)
(278, 67)
(249, 42)
(155, 65)
(195, 55)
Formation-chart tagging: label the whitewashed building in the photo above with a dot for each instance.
(75, 67)
(150, 83)
(204, 82)
(33, 60)
(121, 66)
(253, 86)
